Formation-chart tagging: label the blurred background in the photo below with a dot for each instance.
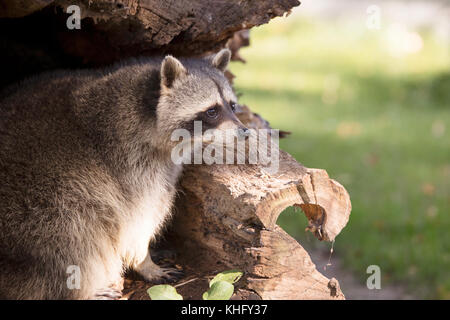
(364, 87)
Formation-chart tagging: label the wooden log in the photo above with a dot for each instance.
(234, 215)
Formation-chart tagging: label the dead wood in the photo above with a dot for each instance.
(34, 36)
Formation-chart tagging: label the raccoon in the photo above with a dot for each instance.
(86, 177)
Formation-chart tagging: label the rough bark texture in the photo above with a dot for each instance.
(226, 214)
(115, 29)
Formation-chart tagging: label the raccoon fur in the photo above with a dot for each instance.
(86, 177)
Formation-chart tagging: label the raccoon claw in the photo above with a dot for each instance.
(108, 294)
(160, 274)
(169, 274)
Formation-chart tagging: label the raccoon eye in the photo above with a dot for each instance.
(212, 112)
(233, 106)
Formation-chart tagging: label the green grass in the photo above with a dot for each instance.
(378, 124)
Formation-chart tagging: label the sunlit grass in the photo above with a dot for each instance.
(378, 123)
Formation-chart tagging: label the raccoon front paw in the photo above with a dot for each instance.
(107, 294)
(161, 274)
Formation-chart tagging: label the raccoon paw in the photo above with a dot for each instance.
(107, 294)
(161, 274)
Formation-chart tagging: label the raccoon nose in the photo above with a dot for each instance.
(243, 132)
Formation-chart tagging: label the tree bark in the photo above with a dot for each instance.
(37, 39)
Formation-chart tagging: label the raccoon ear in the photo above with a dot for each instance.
(221, 59)
(171, 69)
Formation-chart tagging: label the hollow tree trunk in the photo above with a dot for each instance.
(34, 36)
(225, 214)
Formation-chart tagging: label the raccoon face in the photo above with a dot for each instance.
(197, 90)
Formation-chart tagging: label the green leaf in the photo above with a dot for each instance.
(164, 292)
(220, 290)
(231, 276)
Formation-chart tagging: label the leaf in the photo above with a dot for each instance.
(164, 292)
(231, 276)
(220, 290)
